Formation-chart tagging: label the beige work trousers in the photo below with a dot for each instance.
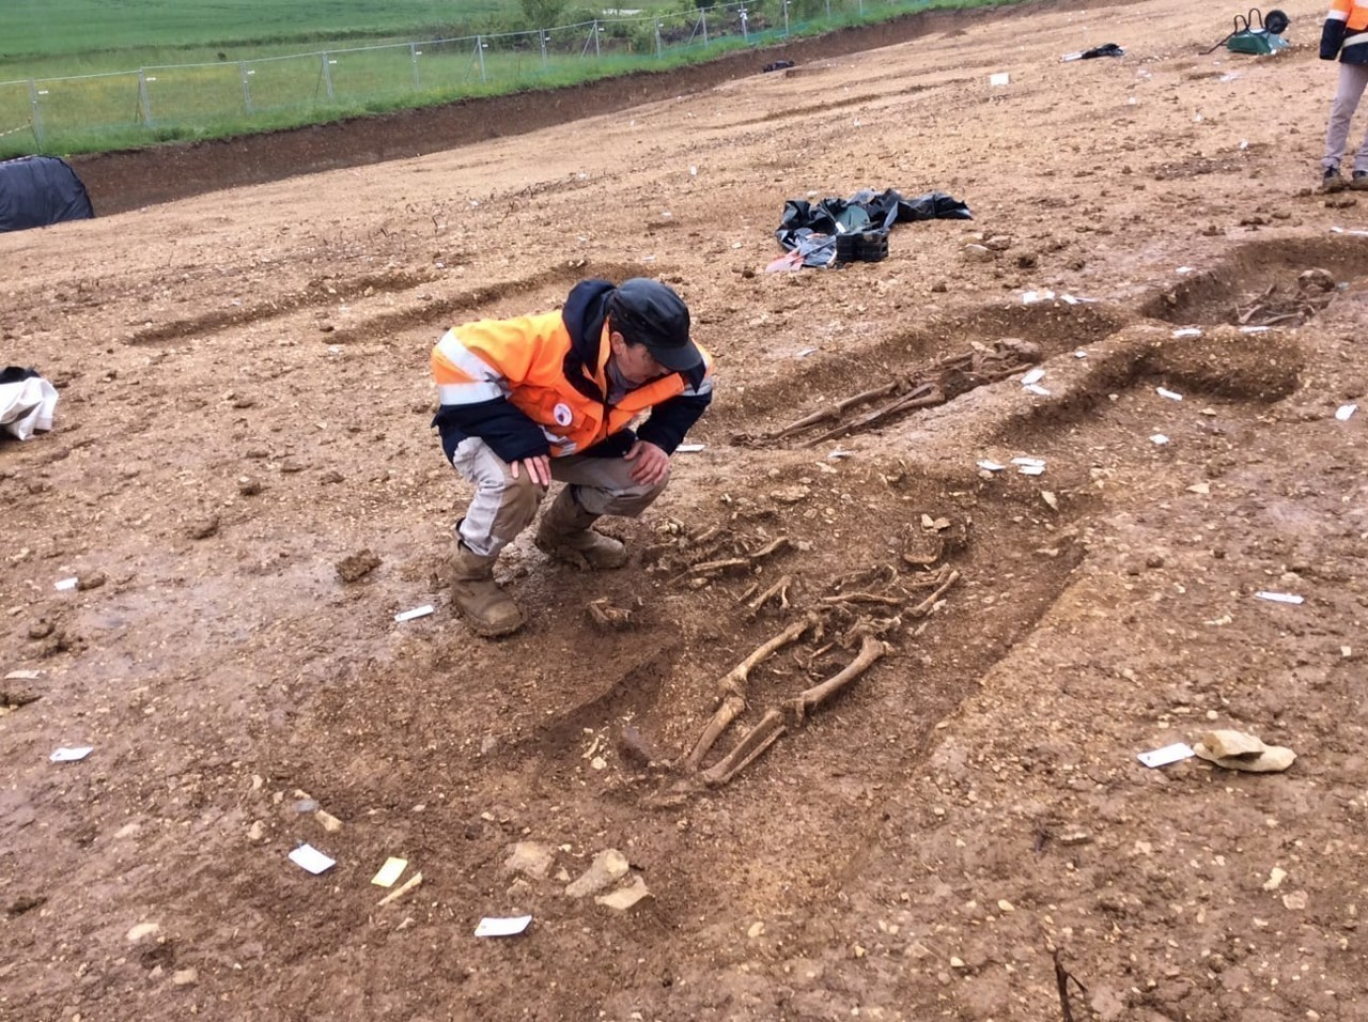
(1353, 78)
(503, 506)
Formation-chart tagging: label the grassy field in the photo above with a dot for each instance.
(64, 29)
(110, 74)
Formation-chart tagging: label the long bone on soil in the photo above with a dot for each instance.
(777, 592)
(733, 687)
(924, 608)
(917, 391)
(924, 396)
(701, 573)
(790, 714)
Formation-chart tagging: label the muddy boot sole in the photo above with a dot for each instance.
(605, 558)
(493, 631)
(491, 626)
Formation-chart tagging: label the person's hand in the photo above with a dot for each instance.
(652, 464)
(538, 469)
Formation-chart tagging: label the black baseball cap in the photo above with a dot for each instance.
(648, 312)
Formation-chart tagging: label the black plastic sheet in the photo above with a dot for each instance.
(810, 229)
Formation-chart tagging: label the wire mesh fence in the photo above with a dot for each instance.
(197, 100)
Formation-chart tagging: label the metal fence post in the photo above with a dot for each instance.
(828, 5)
(144, 101)
(479, 48)
(542, 33)
(327, 76)
(246, 87)
(660, 52)
(413, 56)
(786, 24)
(37, 115)
(598, 55)
(745, 34)
(703, 17)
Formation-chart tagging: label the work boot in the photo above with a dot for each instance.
(1359, 181)
(564, 535)
(490, 611)
(1331, 180)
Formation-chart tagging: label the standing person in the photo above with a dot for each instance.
(1345, 35)
(552, 396)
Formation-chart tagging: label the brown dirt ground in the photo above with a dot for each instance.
(245, 404)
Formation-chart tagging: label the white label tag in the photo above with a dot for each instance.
(1168, 754)
(1280, 597)
(66, 755)
(493, 926)
(310, 858)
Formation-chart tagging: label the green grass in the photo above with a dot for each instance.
(66, 29)
(114, 105)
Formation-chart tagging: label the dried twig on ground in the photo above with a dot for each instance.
(1062, 980)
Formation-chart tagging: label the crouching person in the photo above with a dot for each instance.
(551, 396)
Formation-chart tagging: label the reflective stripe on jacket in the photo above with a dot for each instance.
(1345, 33)
(485, 367)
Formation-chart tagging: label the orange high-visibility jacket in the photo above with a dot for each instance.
(1345, 33)
(533, 385)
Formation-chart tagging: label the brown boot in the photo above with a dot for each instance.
(564, 535)
(490, 611)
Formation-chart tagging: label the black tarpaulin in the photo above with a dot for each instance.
(810, 229)
(36, 191)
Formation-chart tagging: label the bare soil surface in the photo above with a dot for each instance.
(243, 479)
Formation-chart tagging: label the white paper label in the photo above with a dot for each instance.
(508, 926)
(72, 755)
(1280, 597)
(310, 858)
(1168, 754)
